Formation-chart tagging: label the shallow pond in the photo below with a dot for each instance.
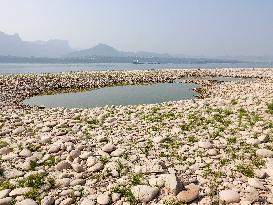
(118, 95)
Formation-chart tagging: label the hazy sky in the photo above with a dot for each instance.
(195, 27)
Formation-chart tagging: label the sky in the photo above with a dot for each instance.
(190, 27)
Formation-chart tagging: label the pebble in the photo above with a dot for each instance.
(63, 165)
(254, 182)
(229, 196)
(67, 201)
(6, 201)
(108, 148)
(47, 200)
(27, 202)
(189, 195)
(144, 193)
(264, 153)
(103, 199)
(4, 193)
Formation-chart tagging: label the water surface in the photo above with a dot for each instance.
(12, 68)
(119, 95)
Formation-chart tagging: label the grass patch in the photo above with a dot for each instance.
(245, 169)
(126, 192)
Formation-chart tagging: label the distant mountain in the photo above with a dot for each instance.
(98, 50)
(13, 45)
(108, 51)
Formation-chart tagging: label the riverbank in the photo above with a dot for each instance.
(214, 149)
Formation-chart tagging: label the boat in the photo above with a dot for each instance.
(137, 62)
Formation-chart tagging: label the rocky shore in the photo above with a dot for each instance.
(216, 149)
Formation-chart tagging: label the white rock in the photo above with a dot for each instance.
(75, 153)
(13, 173)
(144, 193)
(63, 165)
(91, 161)
(67, 201)
(4, 193)
(25, 153)
(5, 201)
(108, 147)
(45, 139)
(205, 144)
(85, 155)
(115, 196)
(27, 202)
(77, 167)
(87, 201)
(48, 200)
(229, 196)
(54, 148)
(18, 130)
(103, 199)
(117, 152)
(19, 191)
(254, 182)
(97, 167)
(264, 153)
(172, 183)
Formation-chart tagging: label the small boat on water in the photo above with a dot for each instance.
(137, 62)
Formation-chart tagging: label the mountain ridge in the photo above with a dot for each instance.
(13, 45)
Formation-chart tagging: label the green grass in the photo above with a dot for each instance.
(3, 144)
(270, 107)
(126, 192)
(35, 181)
(6, 185)
(136, 179)
(245, 169)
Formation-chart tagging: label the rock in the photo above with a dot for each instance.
(75, 153)
(108, 148)
(158, 139)
(103, 199)
(19, 191)
(27, 202)
(205, 144)
(45, 139)
(64, 182)
(13, 173)
(144, 193)
(97, 167)
(18, 130)
(88, 202)
(172, 183)
(48, 200)
(5, 150)
(4, 193)
(63, 165)
(115, 196)
(254, 182)
(117, 152)
(189, 195)
(91, 161)
(77, 182)
(54, 148)
(77, 167)
(25, 153)
(264, 153)
(229, 196)
(6, 201)
(67, 201)
(85, 155)
(66, 192)
(9, 156)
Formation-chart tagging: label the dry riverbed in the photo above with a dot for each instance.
(216, 149)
